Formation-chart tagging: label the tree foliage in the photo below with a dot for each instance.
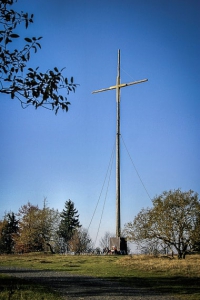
(80, 241)
(48, 224)
(174, 220)
(37, 228)
(28, 85)
(69, 221)
(28, 226)
(33, 229)
(8, 233)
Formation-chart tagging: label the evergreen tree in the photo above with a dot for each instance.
(69, 221)
(9, 232)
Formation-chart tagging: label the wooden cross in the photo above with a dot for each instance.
(117, 87)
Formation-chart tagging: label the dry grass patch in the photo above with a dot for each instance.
(188, 267)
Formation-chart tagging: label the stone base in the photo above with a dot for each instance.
(118, 245)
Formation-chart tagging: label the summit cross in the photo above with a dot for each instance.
(117, 87)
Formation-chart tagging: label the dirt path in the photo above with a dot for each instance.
(83, 287)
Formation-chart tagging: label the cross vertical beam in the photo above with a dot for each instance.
(117, 87)
(118, 190)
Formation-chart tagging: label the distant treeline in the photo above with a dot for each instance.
(33, 229)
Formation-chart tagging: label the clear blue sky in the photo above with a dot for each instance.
(66, 156)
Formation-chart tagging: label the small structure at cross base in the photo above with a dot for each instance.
(118, 244)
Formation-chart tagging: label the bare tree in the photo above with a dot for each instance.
(80, 241)
(105, 240)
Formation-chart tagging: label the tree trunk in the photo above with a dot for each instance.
(181, 254)
(51, 249)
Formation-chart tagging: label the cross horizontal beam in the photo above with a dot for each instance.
(119, 86)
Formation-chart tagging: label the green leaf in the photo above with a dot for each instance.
(28, 40)
(38, 45)
(8, 40)
(19, 80)
(39, 77)
(56, 111)
(13, 35)
(23, 58)
(45, 96)
(31, 75)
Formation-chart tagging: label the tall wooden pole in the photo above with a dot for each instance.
(118, 221)
(117, 87)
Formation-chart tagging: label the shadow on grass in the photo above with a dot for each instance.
(176, 285)
(16, 288)
(87, 286)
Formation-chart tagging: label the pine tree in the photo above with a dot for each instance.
(9, 231)
(69, 221)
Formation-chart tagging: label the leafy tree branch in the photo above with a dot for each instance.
(28, 85)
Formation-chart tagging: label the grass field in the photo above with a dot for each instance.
(17, 289)
(180, 277)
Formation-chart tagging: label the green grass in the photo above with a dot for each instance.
(178, 277)
(12, 288)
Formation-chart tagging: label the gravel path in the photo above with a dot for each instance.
(83, 287)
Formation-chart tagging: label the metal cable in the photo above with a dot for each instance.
(136, 169)
(105, 198)
(110, 162)
(127, 73)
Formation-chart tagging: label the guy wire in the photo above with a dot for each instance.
(135, 168)
(111, 159)
(105, 198)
